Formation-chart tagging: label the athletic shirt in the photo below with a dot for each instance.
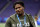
(22, 19)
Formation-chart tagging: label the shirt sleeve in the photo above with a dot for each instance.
(8, 23)
(31, 20)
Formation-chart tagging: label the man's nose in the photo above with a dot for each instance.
(18, 9)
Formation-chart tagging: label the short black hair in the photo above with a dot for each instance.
(18, 2)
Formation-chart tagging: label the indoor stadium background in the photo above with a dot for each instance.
(6, 9)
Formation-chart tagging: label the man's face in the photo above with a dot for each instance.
(19, 9)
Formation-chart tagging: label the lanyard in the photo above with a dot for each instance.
(24, 19)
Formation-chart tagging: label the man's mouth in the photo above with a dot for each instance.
(18, 12)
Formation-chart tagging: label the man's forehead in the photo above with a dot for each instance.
(17, 5)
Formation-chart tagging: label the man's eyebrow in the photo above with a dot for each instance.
(17, 7)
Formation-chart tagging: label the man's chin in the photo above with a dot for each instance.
(18, 13)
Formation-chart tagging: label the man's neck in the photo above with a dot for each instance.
(20, 15)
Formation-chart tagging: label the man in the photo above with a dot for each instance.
(35, 19)
(20, 18)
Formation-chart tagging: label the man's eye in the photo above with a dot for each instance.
(15, 8)
(18, 7)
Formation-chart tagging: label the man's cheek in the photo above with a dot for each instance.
(20, 8)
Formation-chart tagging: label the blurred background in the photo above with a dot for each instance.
(31, 7)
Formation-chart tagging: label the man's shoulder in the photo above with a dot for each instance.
(27, 14)
(11, 17)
